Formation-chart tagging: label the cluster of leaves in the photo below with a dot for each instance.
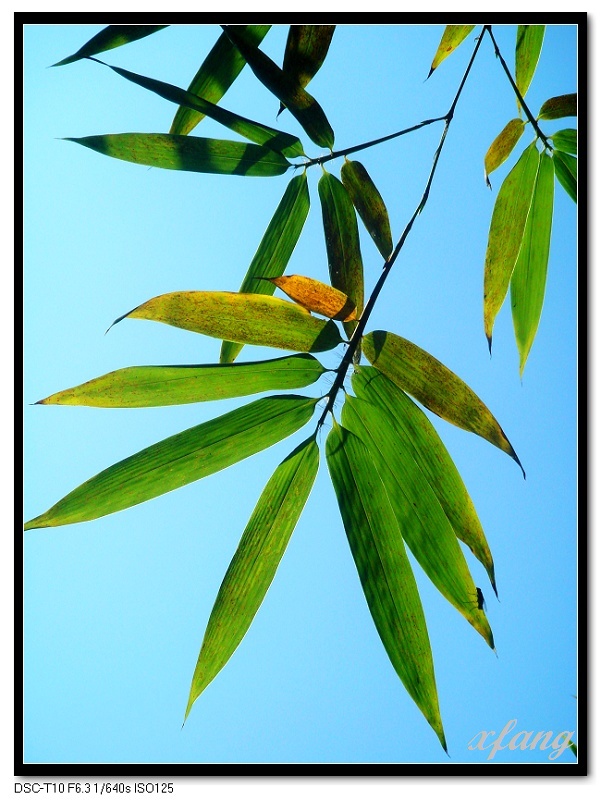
(394, 480)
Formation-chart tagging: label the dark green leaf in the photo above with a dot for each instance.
(110, 37)
(566, 169)
(564, 105)
(565, 140)
(306, 50)
(369, 204)
(529, 43)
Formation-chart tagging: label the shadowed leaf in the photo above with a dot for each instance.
(110, 37)
(529, 43)
(306, 50)
(502, 146)
(565, 140)
(566, 169)
(564, 105)
(452, 37)
(316, 296)
(369, 204)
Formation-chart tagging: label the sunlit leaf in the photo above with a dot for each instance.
(565, 140)
(247, 318)
(431, 383)
(369, 204)
(316, 296)
(566, 169)
(530, 274)
(452, 37)
(181, 459)
(255, 562)
(529, 43)
(384, 569)
(143, 387)
(216, 74)
(506, 232)
(564, 105)
(188, 153)
(299, 102)
(502, 146)
(110, 37)
(275, 248)
(306, 50)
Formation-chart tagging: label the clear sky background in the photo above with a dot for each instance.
(115, 609)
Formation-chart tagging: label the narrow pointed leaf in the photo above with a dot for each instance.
(566, 169)
(181, 459)
(424, 444)
(431, 383)
(565, 140)
(255, 562)
(110, 37)
(503, 145)
(530, 274)
(423, 524)
(188, 153)
(275, 249)
(505, 235)
(306, 50)
(299, 102)
(369, 204)
(529, 43)
(452, 37)
(384, 569)
(247, 318)
(216, 74)
(564, 105)
(145, 387)
(316, 296)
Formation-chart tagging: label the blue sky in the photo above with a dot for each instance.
(115, 609)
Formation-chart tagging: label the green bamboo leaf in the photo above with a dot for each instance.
(565, 140)
(110, 37)
(431, 383)
(299, 102)
(145, 387)
(369, 204)
(281, 142)
(255, 562)
(530, 274)
(181, 459)
(275, 248)
(421, 440)
(564, 105)
(501, 148)
(452, 37)
(506, 232)
(529, 43)
(188, 153)
(422, 521)
(306, 49)
(342, 242)
(566, 169)
(384, 569)
(216, 74)
(247, 318)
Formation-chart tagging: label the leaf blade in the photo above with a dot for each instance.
(316, 296)
(452, 37)
(110, 37)
(565, 140)
(566, 169)
(502, 146)
(369, 204)
(529, 43)
(564, 105)
(306, 49)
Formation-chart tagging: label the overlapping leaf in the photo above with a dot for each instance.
(306, 50)
(369, 204)
(255, 562)
(181, 459)
(384, 569)
(565, 105)
(565, 140)
(110, 37)
(452, 37)
(529, 43)
(566, 169)
(503, 145)
(316, 296)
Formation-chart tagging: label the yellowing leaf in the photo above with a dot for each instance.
(502, 146)
(452, 37)
(528, 46)
(564, 105)
(316, 296)
(369, 204)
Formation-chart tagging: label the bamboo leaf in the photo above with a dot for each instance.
(216, 74)
(501, 148)
(181, 459)
(110, 37)
(530, 274)
(145, 387)
(565, 140)
(188, 153)
(566, 169)
(342, 242)
(255, 562)
(275, 249)
(431, 383)
(247, 318)
(384, 569)
(306, 50)
(299, 102)
(505, 235)
(529, 43)
(452, 37)
(316, 296)
(564, 105)
(421, 440)
(369, 204)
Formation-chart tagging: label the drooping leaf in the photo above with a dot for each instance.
(452, 37)
(181, 459)
(431, 383)
(281, 142)
(566, 169)
(502, 146)
(216, 74)
(188, 153)
(423, 524)
(316, 296)
(248, 318)
(565, 105)
(306, 50)
(565, 140)
(421, 440)
(255, 562)
(530, 274)
(299, 102)
(275, 248)
(506, 232)
(384, 569)
(144, 387)
(110, 37)
(369, 204)
(529, 43)
(342, 242)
